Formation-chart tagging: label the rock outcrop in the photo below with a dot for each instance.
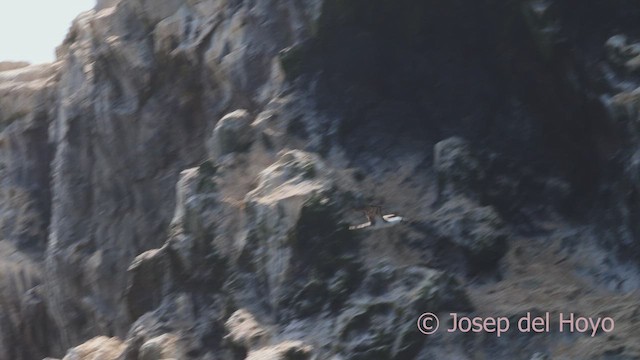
(232, 133)
(457, 168)
(479, 230)
(179, 184)
(100, 347)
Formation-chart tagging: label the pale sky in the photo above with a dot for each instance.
(30, 30)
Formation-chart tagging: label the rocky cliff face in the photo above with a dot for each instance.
(179, 183)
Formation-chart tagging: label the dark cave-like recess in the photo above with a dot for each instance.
(402, 74)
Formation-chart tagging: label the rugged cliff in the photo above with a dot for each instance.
(179, 183)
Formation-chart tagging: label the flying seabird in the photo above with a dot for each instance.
(376, 220)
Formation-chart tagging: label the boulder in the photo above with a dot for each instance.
(98, 348)
(233, 133)
(622, 53)
(172, 329)
(287, 350)
(243, 330)
(160, 347)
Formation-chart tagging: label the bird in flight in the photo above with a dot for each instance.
(375, 219)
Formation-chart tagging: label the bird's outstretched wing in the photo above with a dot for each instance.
(359, 226)
(374, 213)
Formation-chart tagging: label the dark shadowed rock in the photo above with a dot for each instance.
(382, 325)
(479, 230)
(150, 277)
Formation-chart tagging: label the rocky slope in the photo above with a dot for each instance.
(178, 184)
